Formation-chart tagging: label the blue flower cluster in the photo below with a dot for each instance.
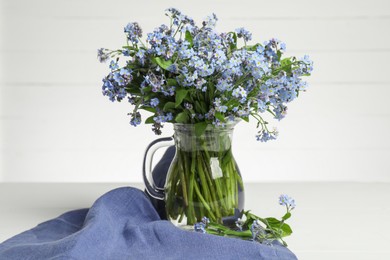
(287, 201)
(205, 74)
(133, 32)
(257, 230)
(114, 84)
(103, 55)
(201, 226)
(243, 33)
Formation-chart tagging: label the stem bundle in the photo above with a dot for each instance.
(203, 179)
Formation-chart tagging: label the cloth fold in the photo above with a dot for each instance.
(123, 224)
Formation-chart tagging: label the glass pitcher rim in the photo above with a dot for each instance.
(230, 124)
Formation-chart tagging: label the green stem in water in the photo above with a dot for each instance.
(205, 204)
(183, 185)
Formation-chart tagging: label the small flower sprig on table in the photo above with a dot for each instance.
(255, 228)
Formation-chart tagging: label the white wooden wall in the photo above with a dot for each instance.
(55, 126)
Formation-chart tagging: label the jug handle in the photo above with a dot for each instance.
(151, 188)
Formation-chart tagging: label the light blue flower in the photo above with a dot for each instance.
(221, 109)
(210, 115)
(218, 123)
(133, 31)
(135, 119)
(240, 93)
(260, 49)
(126, 74)
(306, 67)
(243, 33)
(168, 117)
(119, 79)
(240, 112)
(200, 227)
(206, 220)
(173, 68)
(184, 50)
(223, 85)
(190, 78)
(131, 100)
(200, 82)
(236, 71)
(155, 38)
(103, 55)
(210, 21)
(218, 106)
(287, 201)
(264, 135)
(282, 46)
(239, 224)
(217, 102)
(261, 106)
(141, 55)
(188, 106)
(280, 111)
(126, 52)
(257, 230)
(163, 118)
(154, 102)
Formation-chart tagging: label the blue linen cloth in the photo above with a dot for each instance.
(123, 224)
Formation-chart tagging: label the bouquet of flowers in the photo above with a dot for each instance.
(202, 81)
(184, 73)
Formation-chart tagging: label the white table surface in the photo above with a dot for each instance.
(332, 220)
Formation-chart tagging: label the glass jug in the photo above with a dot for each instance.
(203, 178)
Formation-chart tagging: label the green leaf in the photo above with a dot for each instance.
(180, 95)
(149, 120)
(172, 82)
(286, 216)
(162, 63)
(232, 103)
(275, 224)
(149, 109)
(285, 62)
(129, 47)
(210, 91)
(189, 38)
(286, 230)
(220, 116)
(226, 159)
(200, 128)
(146, 90)
(252, 47)
(168, 106)
(279, 54)
(133, 89)
(286, 65)
(181, 117)
(233, 46)
(200, 107)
